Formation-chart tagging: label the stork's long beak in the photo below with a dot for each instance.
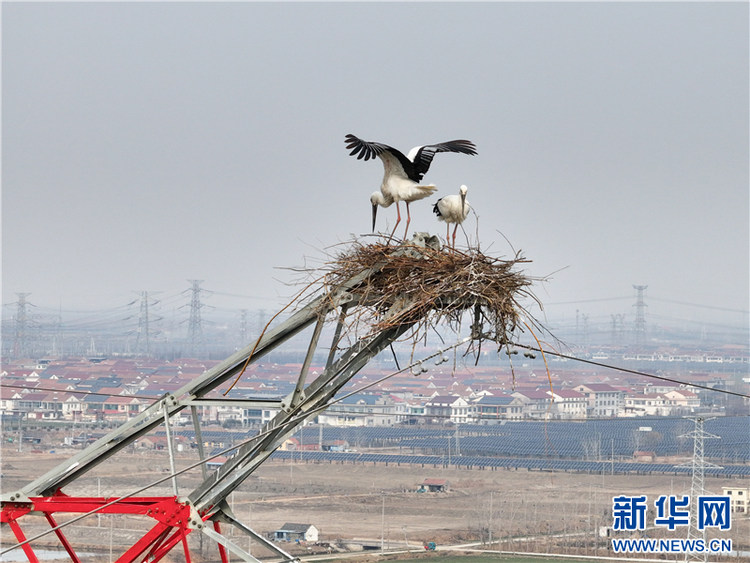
(374, 215)
(463, 203)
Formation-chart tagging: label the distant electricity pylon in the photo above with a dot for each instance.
(21, 336)
(640, 317)
(261, 321)
(143, 335)
(698, 465)
(585, 329)
(618, 322)
(243, 327)
(195, 328)
(57, 339)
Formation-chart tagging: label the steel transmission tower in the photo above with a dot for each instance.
(195, 328)
(57, 340)
(585, 330)
(698, 465)
(243, 327)
(143, 339)
(261, 320)
(617, 323)
(640, 317)
(21, 337)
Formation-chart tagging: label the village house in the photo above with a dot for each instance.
(361, 410)
(658, 388)
(683, 400)
(738, 498)
(537, 404)
(8, 400)
(118, 407)
(438, 408)
(646, 405)
(432, 485)
(462, 411)
(491, 409)
(603, 399)
(568, 404)
(296, 532)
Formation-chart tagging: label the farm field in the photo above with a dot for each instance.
(527, 511)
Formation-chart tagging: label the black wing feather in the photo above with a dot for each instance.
(370, 149)
(366, 149)
(424, 156)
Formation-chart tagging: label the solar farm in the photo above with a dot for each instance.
(594, 446)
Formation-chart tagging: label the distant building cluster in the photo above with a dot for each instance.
(116, 389)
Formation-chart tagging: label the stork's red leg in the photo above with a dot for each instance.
(398, 220)
(408, 220)
(454, 236)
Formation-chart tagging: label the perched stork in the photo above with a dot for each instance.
(403, 174)
(452, 209)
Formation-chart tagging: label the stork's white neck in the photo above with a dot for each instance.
(377, 198)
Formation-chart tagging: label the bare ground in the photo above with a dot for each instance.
(364, 501)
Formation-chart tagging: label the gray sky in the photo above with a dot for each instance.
(145, 144)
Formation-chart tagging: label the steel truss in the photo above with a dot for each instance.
(206, 507)
(698, 465)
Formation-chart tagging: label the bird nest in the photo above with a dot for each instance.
(422, 285)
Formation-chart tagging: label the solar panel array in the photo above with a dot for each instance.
(505, 463)
(213, 435)
(535, 446)
(589, 440)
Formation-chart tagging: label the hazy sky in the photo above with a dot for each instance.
(145, 144)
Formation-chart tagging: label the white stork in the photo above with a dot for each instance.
(452, 209)
(403, 174)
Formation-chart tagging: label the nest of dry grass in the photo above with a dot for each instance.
(420, 285)
(425, 286)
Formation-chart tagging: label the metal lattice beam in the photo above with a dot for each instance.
(176, 517)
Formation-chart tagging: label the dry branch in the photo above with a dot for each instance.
(422, 284)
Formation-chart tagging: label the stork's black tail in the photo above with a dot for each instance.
(436, 209)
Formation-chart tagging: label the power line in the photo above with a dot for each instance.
(727, 309)
(635, 372)
(78, 392)
(242, 296)
(729, 328)
(589, 300)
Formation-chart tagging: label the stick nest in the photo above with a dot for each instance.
(426, 286)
